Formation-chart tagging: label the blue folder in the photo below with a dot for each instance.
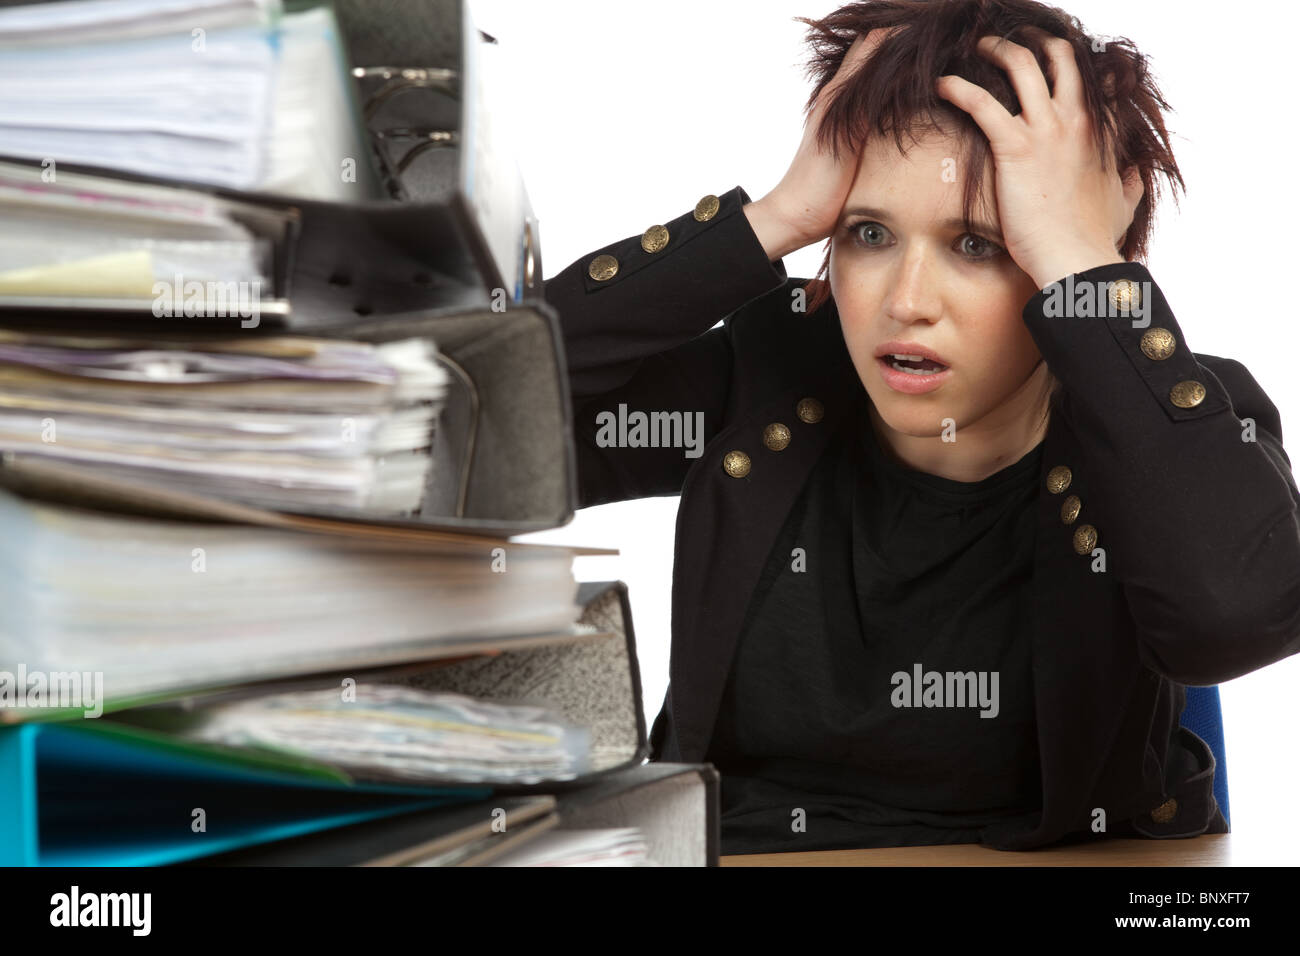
(96, 793)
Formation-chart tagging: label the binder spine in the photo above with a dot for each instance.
(19, 831)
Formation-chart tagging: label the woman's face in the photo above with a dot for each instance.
(908, 279)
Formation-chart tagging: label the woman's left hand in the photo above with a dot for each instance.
(1062, 211)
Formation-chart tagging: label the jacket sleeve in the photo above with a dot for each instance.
(643, 338)
(1196, 505)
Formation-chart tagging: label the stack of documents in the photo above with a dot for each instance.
(202, 527)
(76, 236)
(233, 93)
(145, 606)
(376, 731)
(281, 422)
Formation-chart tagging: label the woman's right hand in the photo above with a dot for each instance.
(805, 205)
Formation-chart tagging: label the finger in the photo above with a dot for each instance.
(1026, 78)
(991, 116)
(852, 57)
(821, 102)
(1067, 85)
(859, 51)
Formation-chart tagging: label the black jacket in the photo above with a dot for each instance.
(1199, 529)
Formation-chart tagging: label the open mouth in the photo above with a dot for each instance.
(913, 364)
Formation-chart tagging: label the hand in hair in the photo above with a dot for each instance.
(1062, 205)
(805, 205)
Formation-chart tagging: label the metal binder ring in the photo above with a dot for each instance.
(404, 78)
(439, 139)
(529, 258)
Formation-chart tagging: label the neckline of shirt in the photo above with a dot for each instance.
(1013, 474)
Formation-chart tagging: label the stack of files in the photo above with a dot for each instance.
(625, 813)
(278, 314)
(567, 707)
(459, 422)
(356, 169)
(652, 814)
(280, 422)
(61, 783)
(105, 244)
(154, 605)
(92, 241)
(390, 733)
(233, 93)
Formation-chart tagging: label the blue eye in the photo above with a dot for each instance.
(872, 235)
(875, 233)
(977, 247)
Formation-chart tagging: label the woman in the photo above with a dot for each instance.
(971, 512)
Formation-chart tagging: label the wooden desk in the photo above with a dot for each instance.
(1214, 849)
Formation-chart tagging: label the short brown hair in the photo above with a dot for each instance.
(894, 91)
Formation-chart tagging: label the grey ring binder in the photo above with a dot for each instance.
(418, 263)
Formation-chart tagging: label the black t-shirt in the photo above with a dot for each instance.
(881, 693)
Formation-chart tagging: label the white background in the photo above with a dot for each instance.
(627, 113)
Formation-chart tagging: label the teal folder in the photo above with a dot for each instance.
(96, 793)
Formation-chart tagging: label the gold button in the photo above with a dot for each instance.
(1166, 811)
(602, 267)
(654, 238)
(736, 464)
(1187, 394)
(1085, 539)
(1070, 509)
(776, 436)
(1125, 295)
(1158, 344)
(1058, 479)
(707, 208)
(810, 410)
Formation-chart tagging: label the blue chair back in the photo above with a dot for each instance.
(1204, 717)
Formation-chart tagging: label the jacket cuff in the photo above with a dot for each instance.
(1081, 321)
(1191, 811)
(725, 254)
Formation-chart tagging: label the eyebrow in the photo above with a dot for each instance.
(979, 225)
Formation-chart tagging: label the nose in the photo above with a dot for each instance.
(912, 294)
